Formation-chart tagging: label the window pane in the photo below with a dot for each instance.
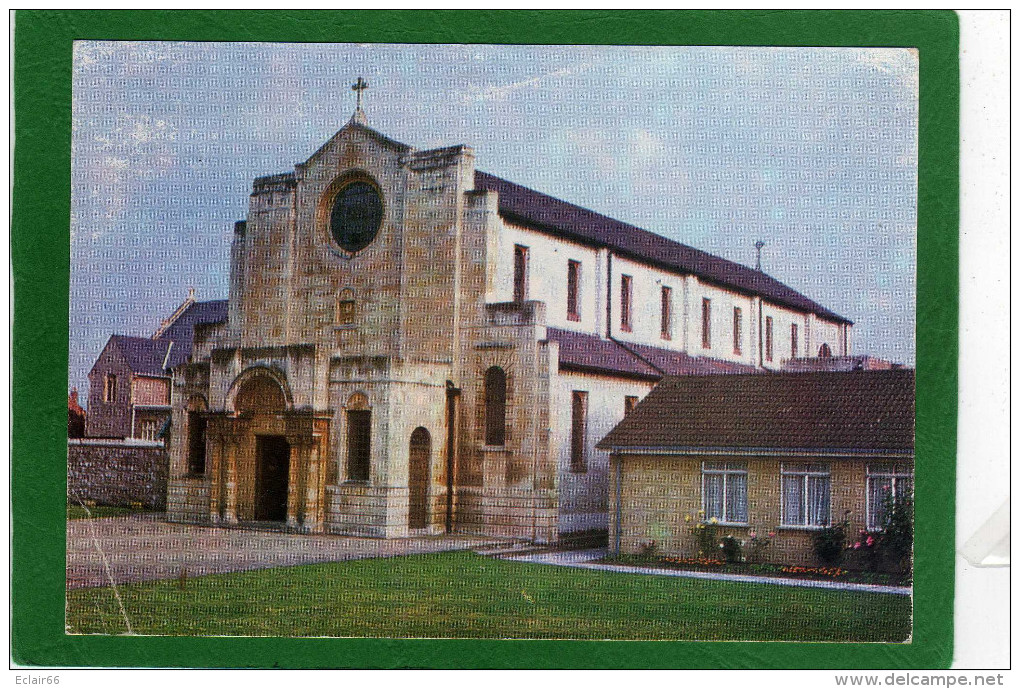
(793, 501)
(713, 496)
(736, 497)
(818, 500)
(878, 489)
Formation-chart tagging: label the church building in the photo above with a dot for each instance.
(413, 346)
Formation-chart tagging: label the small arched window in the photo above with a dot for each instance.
(495, 406)
(345, 307)
(824, 352)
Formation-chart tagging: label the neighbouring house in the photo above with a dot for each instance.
(788, 453)
(415, 346)
(75, 416)
(129, 384)
(129, 389)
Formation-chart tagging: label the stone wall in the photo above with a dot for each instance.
(117, 473)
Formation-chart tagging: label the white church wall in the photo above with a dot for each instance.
(547, 276)
(584, 496)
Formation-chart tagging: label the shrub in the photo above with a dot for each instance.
(830, 542)
(649, 550)
(897, 538)
(758, 544)
(732, 548)
(706, 539)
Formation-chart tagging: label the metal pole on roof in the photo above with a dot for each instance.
(758, 245)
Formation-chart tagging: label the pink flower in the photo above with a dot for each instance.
(772, 534)
(870, 541)
(752, 534)
(857, 545)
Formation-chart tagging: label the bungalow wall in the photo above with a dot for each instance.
(661, 496)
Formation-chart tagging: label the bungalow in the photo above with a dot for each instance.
(783, 453)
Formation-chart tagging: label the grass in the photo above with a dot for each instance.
(461, 594)
(98, 512)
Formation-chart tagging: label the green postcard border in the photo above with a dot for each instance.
(40, 258)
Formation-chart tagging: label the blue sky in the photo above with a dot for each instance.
(811, 150)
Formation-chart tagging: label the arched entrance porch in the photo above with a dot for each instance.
(267, 459)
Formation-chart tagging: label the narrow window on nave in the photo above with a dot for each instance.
(793, 340)
(824, 352)
(768, 338)
(578, 431)
(110, 388)
(573, 290)
(495, 407)
(196, 443)
(738, 327)
(667, 313)
(626, 303)
(706, 323)
(359, 444)
(520, 273)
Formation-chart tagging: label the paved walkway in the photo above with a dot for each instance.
(145, 548)
(582, 559)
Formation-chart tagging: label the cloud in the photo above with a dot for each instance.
(476, 94)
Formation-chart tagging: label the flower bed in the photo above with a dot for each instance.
(706, 564)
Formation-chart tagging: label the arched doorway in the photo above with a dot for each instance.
(263, 464)
(272, 469)
(418, 478)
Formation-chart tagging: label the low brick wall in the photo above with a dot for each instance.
(114, 472)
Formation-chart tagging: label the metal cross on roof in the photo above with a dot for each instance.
(358, 88)
(758, 245)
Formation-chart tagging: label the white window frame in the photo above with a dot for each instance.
(724, 469)
(897, 472)
(804, 471)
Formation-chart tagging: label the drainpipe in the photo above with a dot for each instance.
(619, 510)
(761, 356)
(609, 294)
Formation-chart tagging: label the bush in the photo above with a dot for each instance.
(757, 545)
(732, 549)
(706, 538)
(650, 550)
(897, 539)
(830, 542)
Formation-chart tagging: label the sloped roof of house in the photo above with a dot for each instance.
(860, 410)
(144, 355)
(548, 214)
(585, 352)
(182, 330)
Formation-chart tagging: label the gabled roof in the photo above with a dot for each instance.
(585, 352)
(860, 410)
(144, 356)
(551, 215)
(182, 330)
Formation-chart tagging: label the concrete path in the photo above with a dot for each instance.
(145, 548)
(582, 559)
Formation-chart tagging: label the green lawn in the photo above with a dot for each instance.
(97, 512)
(467, 595)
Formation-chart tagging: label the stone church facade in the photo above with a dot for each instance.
(413, 347)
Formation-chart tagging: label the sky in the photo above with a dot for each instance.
(810, 150)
